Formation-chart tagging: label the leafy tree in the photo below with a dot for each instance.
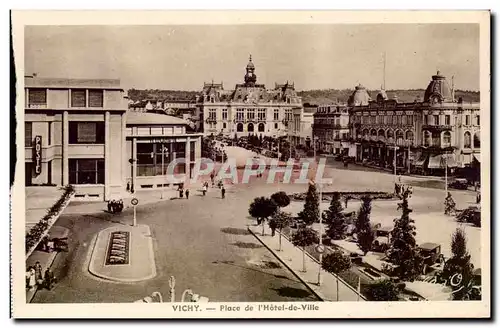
(458, 269)
(280, 221)
(403, 251)
(262, 208)
(363, 228)
(335, 220)
(449, 205)
(281, 198)
(302, 238)
(310, 213)
(384, 290)
(336, 263)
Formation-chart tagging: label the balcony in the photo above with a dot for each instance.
(429, 127)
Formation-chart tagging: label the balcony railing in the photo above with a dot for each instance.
(437, 127)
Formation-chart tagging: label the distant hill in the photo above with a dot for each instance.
(328, 96)
(156, 94)
(318, 97)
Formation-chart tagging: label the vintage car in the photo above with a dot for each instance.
(459, 183)
(382, 239)
(431, 253)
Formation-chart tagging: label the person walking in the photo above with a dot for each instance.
(49, 279)
(223, 192)
(187, 193)
(204, 190)
(32, 279)
(212, 178)
(38, 273)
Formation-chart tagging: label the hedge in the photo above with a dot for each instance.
(36, 233)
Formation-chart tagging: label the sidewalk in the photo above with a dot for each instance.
(291, 257)
(45, 259)
(38, 201)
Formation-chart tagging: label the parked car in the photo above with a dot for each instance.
(431, 253)
(459, 183)
(382, 239)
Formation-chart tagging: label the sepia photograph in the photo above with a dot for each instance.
(258, 164)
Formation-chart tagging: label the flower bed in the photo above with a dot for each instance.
(40, 229)
(353, 195)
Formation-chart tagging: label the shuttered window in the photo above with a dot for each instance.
(37, 96)
(95, 98)
(86, 132)
(78, 98)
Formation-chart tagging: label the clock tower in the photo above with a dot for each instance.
(250, 77)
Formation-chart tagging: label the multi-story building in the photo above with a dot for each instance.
(423, 135)
(331, 128)
(301, 132)
(248, 109)
(78, 131)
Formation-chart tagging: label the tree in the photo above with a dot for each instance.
(449, 205)
(384, 290)
(281, 199)
(310, 213)
(336, 263)
(403, 251)
(458, 269)
(280, 221)
(335, 220)
(363, 228)
(302, 238)
(262, 208)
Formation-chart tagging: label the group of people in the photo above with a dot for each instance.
(204, 189)
(49, 245)
(34, 277)
(115, 206)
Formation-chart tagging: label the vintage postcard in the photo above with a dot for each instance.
(261, 164)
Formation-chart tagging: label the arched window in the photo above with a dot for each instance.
(373, 133)
(365, 133)
(477, 143)
(239, 127)
(261, 127)
(427, 138)
(409, 135)
(390, 134)
(467, 140)
(381, 133)
(250, 127)
(446, 139)
(400, 137)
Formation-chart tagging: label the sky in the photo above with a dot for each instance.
(183, 57)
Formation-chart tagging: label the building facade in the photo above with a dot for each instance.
(422, 136)
(76, 132)
(249, 108)
(300, 132)
(331, 129)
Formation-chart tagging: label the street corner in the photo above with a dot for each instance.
(123, 254)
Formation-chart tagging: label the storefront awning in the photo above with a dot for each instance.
(441, 161)
(421, 160)
(435, 162)
(477, 157)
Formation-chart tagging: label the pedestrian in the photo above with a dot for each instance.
(44, 243)
(38, 273)
(212, 177)
(187, 193)
(31, 279)
(273, 225)
(204, 190)
(478, 198)
(223, 192)
(49, 279)
(346, 200)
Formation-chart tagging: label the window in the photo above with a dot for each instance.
(467, 140)
(399, 119)
(78, 98)
(276, 114)
(467, 119)
(212, 114)
(239, 127)
(477, 143)
(262, 114)
(37, 97)
(446, 139)
(276, 126)
(426, 120)
(405, 120)
(224, 125)
(250, 114)
(427, 138)
(49, 134)
(447, 120)
(224, 114)
(394, 119)
(409, 135)
(288, 114)
(261, 127)
(28, 134)
(192, 151)
(240, 114)
(436, 119)
(250, 127)
(96, 98)
(477, 120)
(86, 132)
(86, 171)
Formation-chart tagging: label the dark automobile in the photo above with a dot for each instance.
(431, 253)
(459, 184)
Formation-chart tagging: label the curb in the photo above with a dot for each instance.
(287, 266)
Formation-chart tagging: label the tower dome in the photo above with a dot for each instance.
(250, 77)
(382, 95)
(438, 89)
(359, 97)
